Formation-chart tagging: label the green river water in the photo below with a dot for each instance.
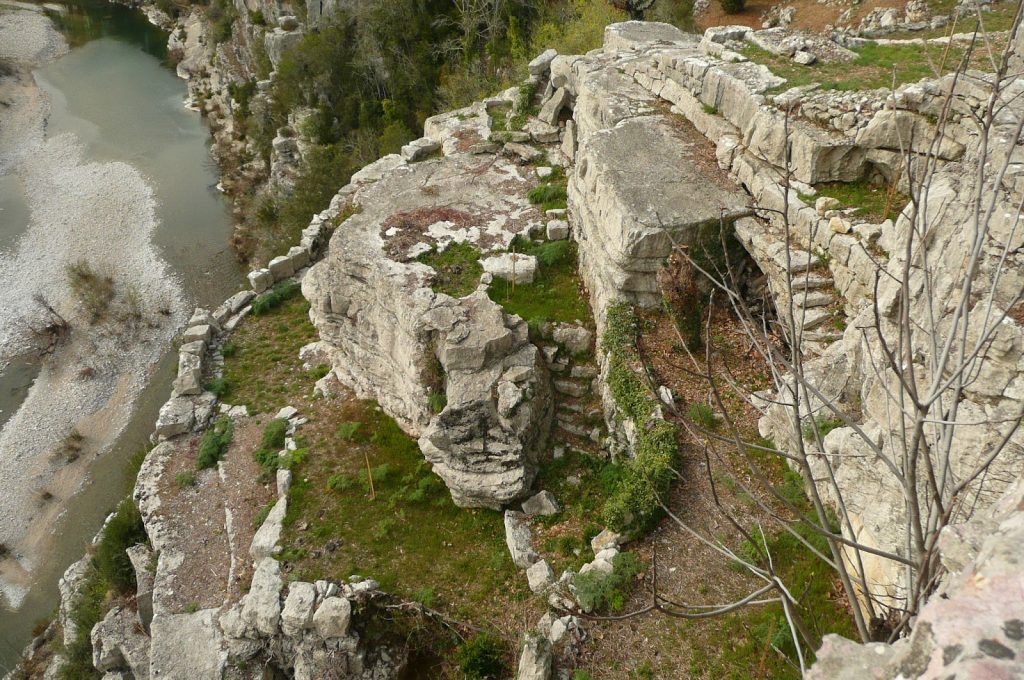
(116, 94)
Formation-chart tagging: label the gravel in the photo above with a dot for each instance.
(103, 213)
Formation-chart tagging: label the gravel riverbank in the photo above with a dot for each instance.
(104, 214)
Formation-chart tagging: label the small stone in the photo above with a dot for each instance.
(604, 540)
(557, 230)
(825, 203)
(333, 617)
(518, 540)
(281, 267)
(839, 225)
(287, 412)
(544, 503)
(544, 172)
(260, 280)
(540, 576)
(541, 64)
(804, 58)
(523, 151)
(297, 614)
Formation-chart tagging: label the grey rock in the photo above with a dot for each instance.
(281, 267)
(522, 151)
(552, 108)
(264, 543)
(261, 606)
(557, 230)
(518, 537)
(541, 64)
(261, 280)
(605, 540)
(299, 606)
(574, 338)
(177, 416)
(514, 267)
(543, 503)
(333, 617)
(118, 644)
(539, 576)
(535, 660)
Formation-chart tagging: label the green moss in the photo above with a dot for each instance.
(457, 269)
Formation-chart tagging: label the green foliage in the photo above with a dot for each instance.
(555, 294)
(597, 590)
(218, 386)
(215, 443)
(87, 610)
(482, 657)
(438, 400)
(273, 298)
(266, 455)
(548, 196)
(580, 674)
(872, 202)
(710, 110)
(124, 530)
(221, 15)
(633, 506)
(348, 431)
(457, 269)
(733, 6)
(821, 424)
(185, 479)
(703, 415)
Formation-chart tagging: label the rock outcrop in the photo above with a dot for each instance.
(392, 338)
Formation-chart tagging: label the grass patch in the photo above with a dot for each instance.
(556, 293)
(263, 371)
(215, 443)
(873, 68)
(873, 202)
(633, 507)
(267, 454)
(482, 657)
(407, 533)
(549, 196)
(457, 269)
(275, 297)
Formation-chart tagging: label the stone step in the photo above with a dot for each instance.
(810, 282)
(813, 318)
(572, 388)
(812, 299)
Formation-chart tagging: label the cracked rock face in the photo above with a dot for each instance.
(390, 337)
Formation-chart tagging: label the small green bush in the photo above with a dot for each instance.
(733, 6)
(553, 253)
(481, 657)
(822, 424)
(215, 443)
(185, 479)
(348, 431)
(703, 415)
(546, 194)
(438, 400)
(580, 674)
(266, 456)
(272, 299)
(218, 386)
(94, 290)
(124, 530)
(229, 349)
(597, 590)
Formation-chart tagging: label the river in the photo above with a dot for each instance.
(114, 92)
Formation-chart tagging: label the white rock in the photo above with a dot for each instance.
(333, 617)
(604, 540)
(541, 64)
(297, 614)
(543, 503)
(261, 280)
(540, 576)
(518, 539)
(557, 230)
(281, 267)
(513, 267)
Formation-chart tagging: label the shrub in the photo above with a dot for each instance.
(349, 430)
(547, 194)
(597, 590)
(215, 443)
(266, 456)
(438, 400)
(480, 657)
(229, 349)
(94, 290)
(272, 299)
(820, 424)
(733, 6)
(553, 253)
(702, 415)
(219, 386)
(124, 530)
